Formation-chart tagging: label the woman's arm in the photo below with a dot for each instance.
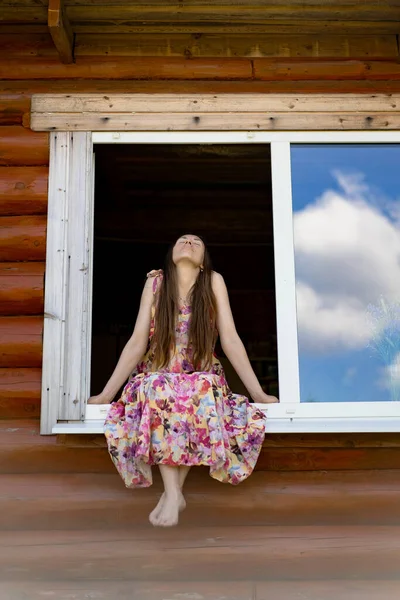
(133, 350)
(233, 346)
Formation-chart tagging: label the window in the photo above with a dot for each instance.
(335, 220)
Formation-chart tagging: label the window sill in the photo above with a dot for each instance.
(278, 421)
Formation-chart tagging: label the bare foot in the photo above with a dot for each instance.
(169, 515)
(153, 517)
(155, 514)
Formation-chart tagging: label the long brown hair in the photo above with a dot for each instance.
(204, 311)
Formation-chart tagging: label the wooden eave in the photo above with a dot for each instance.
(214, 28)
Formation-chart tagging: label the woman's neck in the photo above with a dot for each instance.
(186, 275)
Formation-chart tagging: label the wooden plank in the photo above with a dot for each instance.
(236, 103)
(23, 190)
(353, 589)
(28, 45)
(291, 27)
(23, 238)
(265, 553)
(251, 45)
(125, 68)
(61, 31)
(215, 121)
(23, 147)
(78, 245)
(285, 3)
(84, 501)
(35, 15)
(195, 45)
(21, 341)
(20, 393)
(21, 288)
(250, 13)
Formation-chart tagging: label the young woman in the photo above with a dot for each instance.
(177, 410)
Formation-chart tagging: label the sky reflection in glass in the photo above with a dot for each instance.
(346, 204)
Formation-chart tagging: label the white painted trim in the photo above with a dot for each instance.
(285, 288)
(243, 137)
(55, 281)
(277, 425)
(68, 302)
(301, 410)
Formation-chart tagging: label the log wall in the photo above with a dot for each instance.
(329, 64)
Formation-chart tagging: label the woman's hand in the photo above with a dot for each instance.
(264, 398)
(99, 399)
(154, 272)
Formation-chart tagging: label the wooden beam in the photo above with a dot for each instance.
(257, 112)
(61, 31)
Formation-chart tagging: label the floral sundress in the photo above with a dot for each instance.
(178, 416)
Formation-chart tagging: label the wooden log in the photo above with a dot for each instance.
(61, 31)
(202, 68)
(125, 68)
(12, 108)
(215, 121)
(332, 70)
(20, 391)
(21, 288)
(23, 147)
(23, 190)
(23, 238)
(77, 86)
(21, 341)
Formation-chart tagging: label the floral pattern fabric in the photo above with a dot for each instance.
(178, 416)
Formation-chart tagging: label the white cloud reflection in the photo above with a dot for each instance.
(347, 255)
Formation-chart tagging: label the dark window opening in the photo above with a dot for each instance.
(147, 195)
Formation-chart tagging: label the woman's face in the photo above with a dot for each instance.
(189, 247)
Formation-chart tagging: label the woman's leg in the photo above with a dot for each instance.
(183, 472)
(169, 514)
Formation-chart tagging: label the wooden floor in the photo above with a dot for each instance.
(293, 535)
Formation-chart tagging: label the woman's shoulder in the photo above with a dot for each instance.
(216, 278)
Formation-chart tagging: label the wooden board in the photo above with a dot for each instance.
(208, 45)
(335, 589)
(207, 113)
(217, 122)
(241, 45)
(86, 501)
(179, 554)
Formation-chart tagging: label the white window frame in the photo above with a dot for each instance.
(61, 340)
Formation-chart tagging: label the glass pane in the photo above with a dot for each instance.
(346, 205)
